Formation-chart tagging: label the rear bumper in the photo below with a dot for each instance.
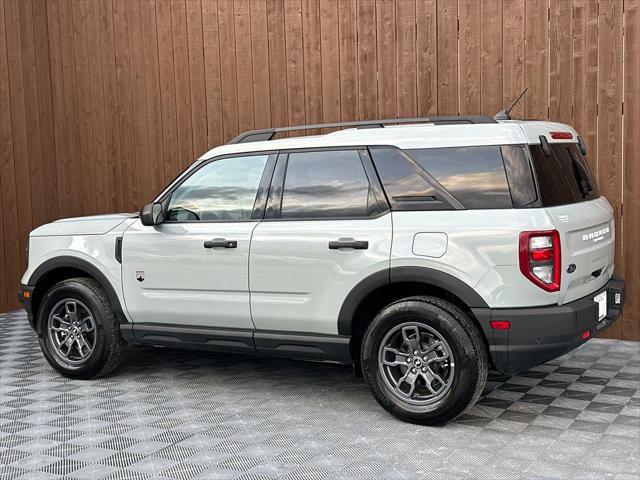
(539, 334)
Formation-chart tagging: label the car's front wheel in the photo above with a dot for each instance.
(80, 332)
(424, 360)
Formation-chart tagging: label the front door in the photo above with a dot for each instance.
(192, 270)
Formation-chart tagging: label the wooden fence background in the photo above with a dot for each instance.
(103, 101)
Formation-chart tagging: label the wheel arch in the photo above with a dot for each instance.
(62, 268)
(373, 293)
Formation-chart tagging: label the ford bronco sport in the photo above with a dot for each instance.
(422, 251)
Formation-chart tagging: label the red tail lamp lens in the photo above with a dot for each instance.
(540, 258)
(500, 324)
(561, 135)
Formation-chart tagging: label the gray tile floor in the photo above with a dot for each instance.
(181, 414)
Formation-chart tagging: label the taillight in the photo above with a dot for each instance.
(540, 258)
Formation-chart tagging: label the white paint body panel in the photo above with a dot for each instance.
(185, 283)
(482, 251)
(92, 225)
(95, 249)
(298, 283)
(587, 235)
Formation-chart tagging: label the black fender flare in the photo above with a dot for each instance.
(425, 275)
(67, 261)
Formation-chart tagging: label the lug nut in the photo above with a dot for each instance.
(424, 369)
(416, 352)
(408, 360)
(413, 370)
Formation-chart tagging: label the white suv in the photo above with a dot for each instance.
(422, 253)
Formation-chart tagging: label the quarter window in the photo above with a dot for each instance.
(326, 184)
(406, 184)
(222, 190)
(475, 176)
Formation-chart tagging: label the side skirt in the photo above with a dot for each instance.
(262, 342)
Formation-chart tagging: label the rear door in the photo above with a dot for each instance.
(327, 226)
(583, 218)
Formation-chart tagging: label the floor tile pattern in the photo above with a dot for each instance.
(175, 414)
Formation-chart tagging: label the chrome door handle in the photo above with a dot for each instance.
(220, 242)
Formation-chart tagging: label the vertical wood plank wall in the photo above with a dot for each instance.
(103, 101)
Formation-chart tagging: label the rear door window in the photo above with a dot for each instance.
(563, 177)
(327, 184)
(475, 176)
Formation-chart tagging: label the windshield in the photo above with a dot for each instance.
(564, 177)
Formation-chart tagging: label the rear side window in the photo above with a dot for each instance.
(408, 187)
(564, 177)
(519, 176)
(327, 184)
(475, 176)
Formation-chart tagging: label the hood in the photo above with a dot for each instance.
(93, 225)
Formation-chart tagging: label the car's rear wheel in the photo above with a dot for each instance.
(424, 360)
(80, 334)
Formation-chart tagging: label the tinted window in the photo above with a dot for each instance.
(221, 190)
(519, 176)
(405, 183)
(564, 177)
(475, 176)
(325, 184)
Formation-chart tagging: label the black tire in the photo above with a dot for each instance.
(466, 378)
(108, 345)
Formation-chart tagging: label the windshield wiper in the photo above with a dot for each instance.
(582, 176)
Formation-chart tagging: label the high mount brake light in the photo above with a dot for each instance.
(540, 258)
(561, 135)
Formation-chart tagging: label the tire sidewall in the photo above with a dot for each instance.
(464, 354)
(79, 291)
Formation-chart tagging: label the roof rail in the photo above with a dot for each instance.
(268, 133)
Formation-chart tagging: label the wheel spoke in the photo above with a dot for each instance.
(410, 379)
(86, 325)
(400, 358)
(437, 377)
(71, 309)
(67, 343)
(411, 336)
(59, 319)
(429, 376)
(436, 356)
(82, 343)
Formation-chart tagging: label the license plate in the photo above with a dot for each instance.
(601, 300)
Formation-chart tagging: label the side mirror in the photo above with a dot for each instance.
(152, 214)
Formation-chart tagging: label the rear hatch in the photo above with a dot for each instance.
(583, 218)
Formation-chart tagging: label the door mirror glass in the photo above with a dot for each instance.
(152, 214)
